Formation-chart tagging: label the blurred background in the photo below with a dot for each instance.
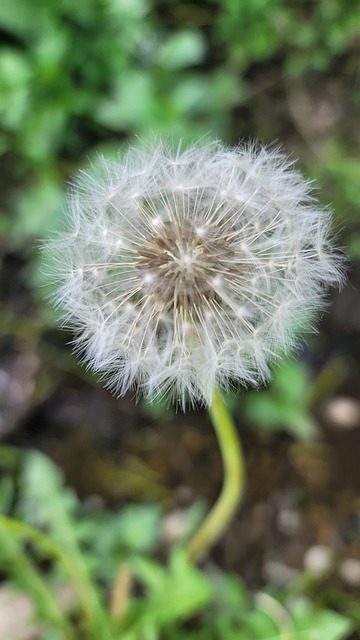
(79, 78)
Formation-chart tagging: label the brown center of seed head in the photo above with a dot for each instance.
(183, 265)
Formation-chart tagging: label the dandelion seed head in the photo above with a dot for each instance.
(185, 270)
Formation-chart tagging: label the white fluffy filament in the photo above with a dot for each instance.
(184, 270)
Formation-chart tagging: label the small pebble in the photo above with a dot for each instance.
(342, 412)
(319, 559)
(349, 571)
(288, 522)
(174, 526)
(278, 573)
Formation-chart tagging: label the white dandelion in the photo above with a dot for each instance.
(182, 271)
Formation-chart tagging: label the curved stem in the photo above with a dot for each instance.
(233, 483)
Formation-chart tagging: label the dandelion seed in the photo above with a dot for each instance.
(197, 279)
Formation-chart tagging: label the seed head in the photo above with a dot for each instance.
(182, 270)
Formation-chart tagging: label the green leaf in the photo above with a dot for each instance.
(39, 207)
(354, 246)
(44, 502)
(139, 527)
(318, 625)
(292, 380)
(259, 626)
(16, 15)
(126, 9)
(285, 403)
(131, 103)
(6, 493)
(183, 49)
(174, 594)
(20, 566)
(15, 87)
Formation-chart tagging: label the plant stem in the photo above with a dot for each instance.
(97, 622)
(26, 572)
(233, 483)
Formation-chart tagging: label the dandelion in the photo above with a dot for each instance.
(184, 271)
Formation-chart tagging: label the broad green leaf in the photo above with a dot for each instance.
(183, 49)
(16, 15)
(318, 625)
(175, 593)
(39, 207)
(139, 527)
(131, 103)
(27, 575)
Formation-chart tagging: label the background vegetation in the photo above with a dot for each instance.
(81, 77)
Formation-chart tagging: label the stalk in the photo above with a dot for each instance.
(233, 487)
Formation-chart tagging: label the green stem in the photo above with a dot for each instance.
(233, 483)
(97, 622)
(25, 571)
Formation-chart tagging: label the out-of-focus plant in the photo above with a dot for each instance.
(74, 77)
(117, 590)
(287, 404)
(311, 34)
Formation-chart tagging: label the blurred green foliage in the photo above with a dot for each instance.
(289, 400)
(93, 549)
(79, 77)
(285, 404)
